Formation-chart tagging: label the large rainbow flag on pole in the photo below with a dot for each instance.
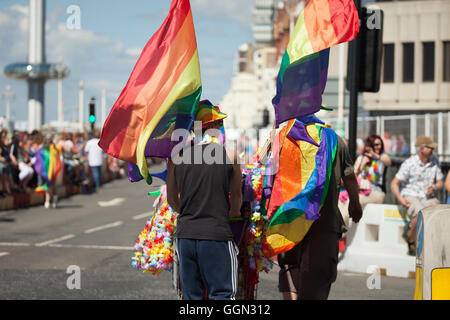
(48, 165)
(303, 72)
(305, 148)
(160, 96)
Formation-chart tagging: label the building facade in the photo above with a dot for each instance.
(415, 73)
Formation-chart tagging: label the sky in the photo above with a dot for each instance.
(112, 33)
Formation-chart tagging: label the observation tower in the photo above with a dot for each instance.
(36, 71)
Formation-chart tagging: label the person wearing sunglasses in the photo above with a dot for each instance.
(369, 170)
(421, 176)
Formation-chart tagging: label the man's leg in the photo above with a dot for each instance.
(289, 274)
(190, 278)
(417, 204)
(318, 266)
(96, 174)
(218, 265)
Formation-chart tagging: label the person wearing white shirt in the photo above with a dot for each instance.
(94, 155)
(421, 176)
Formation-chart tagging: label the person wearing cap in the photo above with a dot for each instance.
(421, 177)
(205, 190)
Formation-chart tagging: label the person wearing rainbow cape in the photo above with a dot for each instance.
(204, 187)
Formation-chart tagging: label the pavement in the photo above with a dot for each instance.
(82, 251)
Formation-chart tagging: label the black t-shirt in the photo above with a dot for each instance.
(202, 174)
(331, 218)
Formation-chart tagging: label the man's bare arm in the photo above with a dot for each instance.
(352, 187)
(395, 188)
(173, 198)
(236, 189)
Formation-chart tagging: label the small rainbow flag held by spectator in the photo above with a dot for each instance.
(160, 96)
(305, 159)
(304, 67)
(48, 165)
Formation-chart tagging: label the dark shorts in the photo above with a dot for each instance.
(310, 267)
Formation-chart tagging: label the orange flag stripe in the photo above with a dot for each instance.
(158, 87)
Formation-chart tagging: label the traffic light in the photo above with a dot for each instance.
(92, 111)
(370, 50)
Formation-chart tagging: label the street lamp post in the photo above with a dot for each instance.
(59, 70)
(81, 106)
(8, 96)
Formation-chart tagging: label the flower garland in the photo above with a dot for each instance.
(154, 246)
(256, 236)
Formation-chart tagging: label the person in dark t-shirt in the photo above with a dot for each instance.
(204, 187)
(308, 269)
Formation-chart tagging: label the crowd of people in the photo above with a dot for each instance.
(79, 153)
(415, 184)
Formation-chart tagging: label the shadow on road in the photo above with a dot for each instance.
(68, 206)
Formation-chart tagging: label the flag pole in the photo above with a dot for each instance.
(353, 86)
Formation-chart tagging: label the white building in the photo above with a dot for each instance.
(263, 20)
(240, 102)
(415, 76)
(252, 88)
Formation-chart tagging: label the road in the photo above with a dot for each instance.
(95, 233)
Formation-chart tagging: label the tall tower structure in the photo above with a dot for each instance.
(36, 71)
(263, 21)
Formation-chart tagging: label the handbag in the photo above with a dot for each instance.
(364, 183)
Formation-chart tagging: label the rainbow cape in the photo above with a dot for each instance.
(160, 96)
(303, 72)
(48, 165)
(305, 159)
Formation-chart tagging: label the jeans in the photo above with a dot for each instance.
(96, 173)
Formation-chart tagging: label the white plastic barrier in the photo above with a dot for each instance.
(377, 241)
(433, 254)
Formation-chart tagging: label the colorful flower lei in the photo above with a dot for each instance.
(154, 246)
(256, 231)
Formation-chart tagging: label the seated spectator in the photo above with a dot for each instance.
(72, 164)
(421, 177)
(7, 164)
(24, 167)
(369, 170)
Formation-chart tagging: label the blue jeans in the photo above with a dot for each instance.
(96, 173)
(210, 265)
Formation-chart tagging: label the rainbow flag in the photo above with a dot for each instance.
(160, 96)
(48, 165)
(305, 158)
(303, 72)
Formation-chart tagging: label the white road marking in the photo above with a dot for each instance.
(2, 254)
(90, 247)
(111, 203)
(143, 215)
(106, 226)
(14, 244)
(46, 243)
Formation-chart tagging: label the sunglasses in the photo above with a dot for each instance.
(377, 144)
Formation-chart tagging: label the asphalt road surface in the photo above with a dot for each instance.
(43, 250)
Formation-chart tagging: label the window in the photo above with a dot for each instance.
(408, 62)
(388, 64)
(428, 62)
(446, 57)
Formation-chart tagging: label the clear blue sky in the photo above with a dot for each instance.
(103, 52)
